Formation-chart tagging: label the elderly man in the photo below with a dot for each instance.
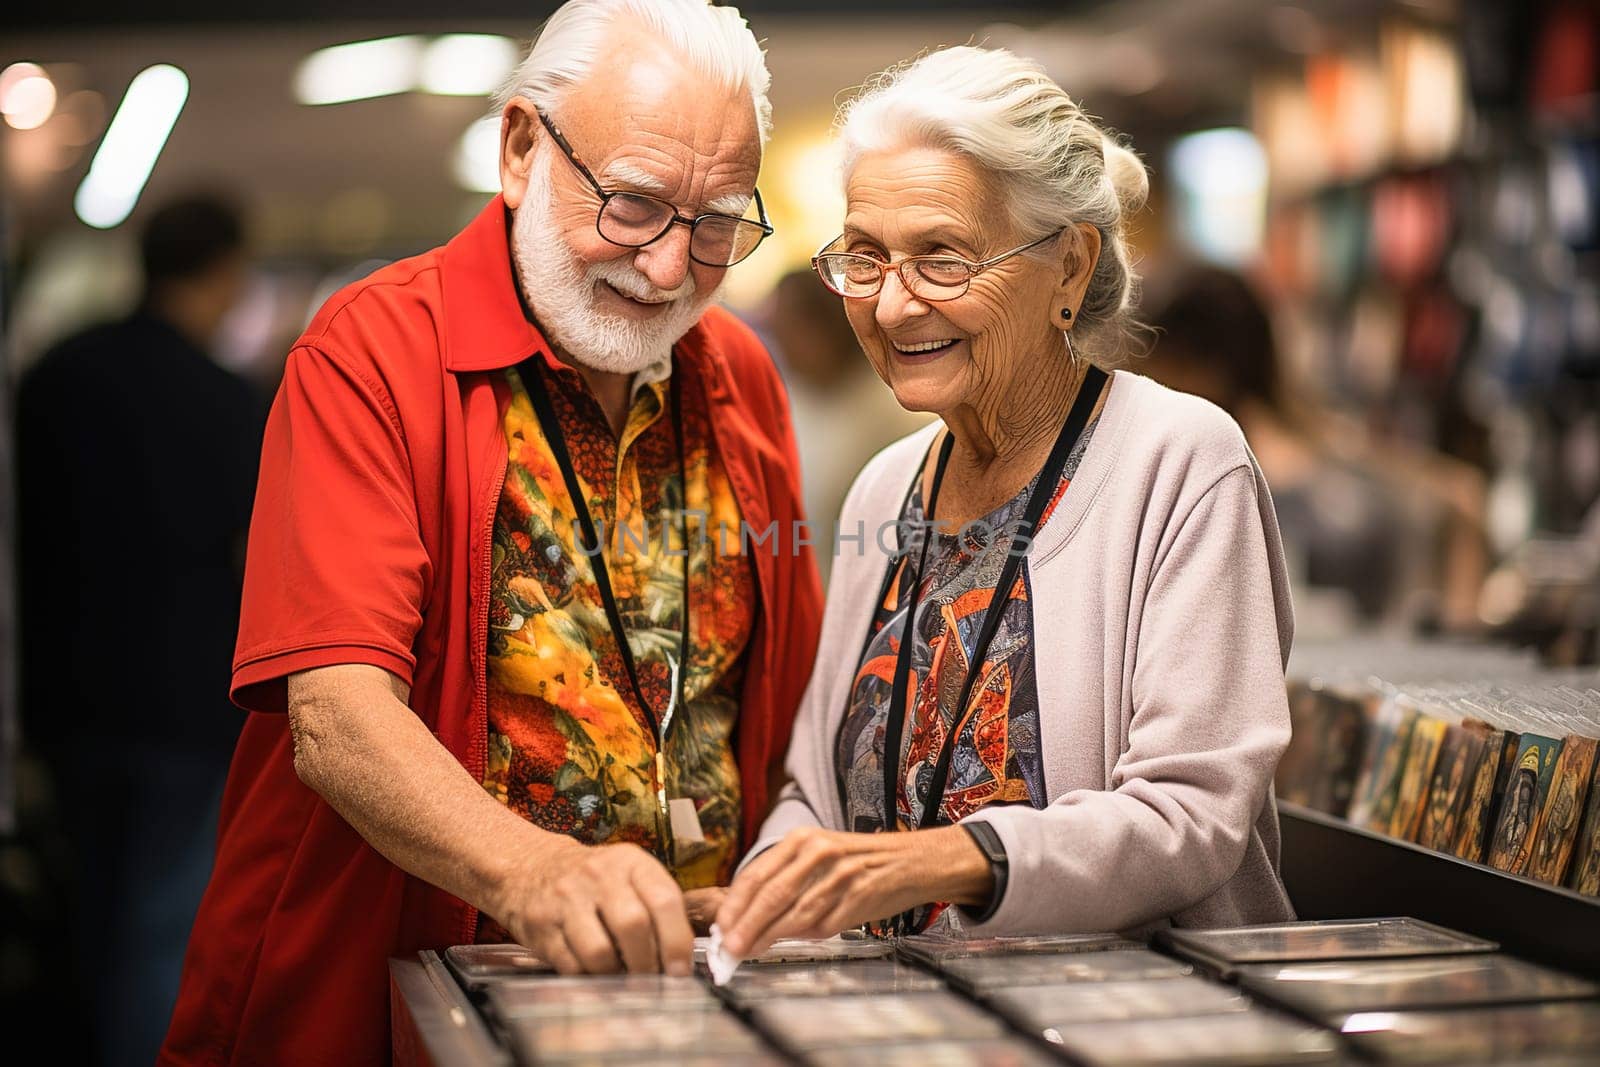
(533, 689)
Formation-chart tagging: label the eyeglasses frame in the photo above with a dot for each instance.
(974, 268)
(606, 195)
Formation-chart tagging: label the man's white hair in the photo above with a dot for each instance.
(716, 41)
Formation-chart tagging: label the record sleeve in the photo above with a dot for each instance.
(1459, 755)
(1240, 1039)
(629, 1035)
(1332, 990)
(582, 995)
(1378, 783)
(927, 948)
(1476, 820)
(996, 1052)
(1557, 831)
(1476, 1034)
(474, 965)
(832, 1022)
(1585, 874)
(982, 973)
(1040, 1008)
(1427, 736)
(838, 978)
(1520, 807)
(1338, 939)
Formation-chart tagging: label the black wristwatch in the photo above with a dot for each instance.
(994, 850)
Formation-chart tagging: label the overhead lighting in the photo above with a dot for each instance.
(477, 162)
(27, 96)
(132, 143)
(1222, 176)
(466, 64)
(359, 70)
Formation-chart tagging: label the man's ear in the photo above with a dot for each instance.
(519, 140)
(1080, 251)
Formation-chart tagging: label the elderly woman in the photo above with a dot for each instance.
(1064, 691)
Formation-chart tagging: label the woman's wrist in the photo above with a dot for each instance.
(946, 865)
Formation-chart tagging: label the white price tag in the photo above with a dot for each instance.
(685, 821)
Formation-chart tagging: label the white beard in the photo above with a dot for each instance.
(561, 292)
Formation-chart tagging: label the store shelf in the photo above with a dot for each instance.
(1334, 870)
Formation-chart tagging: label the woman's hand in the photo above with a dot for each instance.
(815, 883)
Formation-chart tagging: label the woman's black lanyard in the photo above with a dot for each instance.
(1043, 491)
(532, 375)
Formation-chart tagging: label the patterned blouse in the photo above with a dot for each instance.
(996, 759)
(569, 747)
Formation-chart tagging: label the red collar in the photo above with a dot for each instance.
(484, 327)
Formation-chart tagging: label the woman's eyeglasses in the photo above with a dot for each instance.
(934, 278)
(634, 220)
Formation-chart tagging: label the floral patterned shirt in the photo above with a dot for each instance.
(569, 747)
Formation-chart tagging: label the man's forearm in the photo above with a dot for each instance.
(360, 747)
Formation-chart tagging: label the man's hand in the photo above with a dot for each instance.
(815, 883)
(599, 909)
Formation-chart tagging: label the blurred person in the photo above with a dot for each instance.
(470, 720)
(137, 465)
(843, 414)
(1347, 514)
(1064, 694)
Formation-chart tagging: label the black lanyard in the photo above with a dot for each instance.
(894, 729)
(532, 374)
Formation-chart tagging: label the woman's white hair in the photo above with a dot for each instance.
(716, 41)
(1053, 163)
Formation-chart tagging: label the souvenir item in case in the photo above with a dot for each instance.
(980, 973)
(834, 1022)
(1477, 1035)
(1040, 1008)
(997, 1052)
(630, 1035)
(1329, 990)
(476, 964)
(837, 978)
(930, 948)
(1237, 1039)
(796, 950)
(566, 997)
(1338, 939)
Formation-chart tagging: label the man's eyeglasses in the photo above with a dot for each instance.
(933, 278)
(634, 220)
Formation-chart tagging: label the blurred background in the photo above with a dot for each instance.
(1373, 237)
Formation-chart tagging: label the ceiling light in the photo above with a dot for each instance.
(467, 64)
(27, 96)
(132, 143)
(359, 70)
(477, 162)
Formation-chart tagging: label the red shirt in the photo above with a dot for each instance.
(370, 543)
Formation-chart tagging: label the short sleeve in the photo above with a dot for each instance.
(336, 570)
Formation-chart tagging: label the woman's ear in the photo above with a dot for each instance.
(1080, 251)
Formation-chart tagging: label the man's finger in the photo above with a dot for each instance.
(669, 918)
(590, 942)
(559, 954)
(631, 930)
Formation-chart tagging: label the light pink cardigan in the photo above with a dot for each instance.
(1162, 625)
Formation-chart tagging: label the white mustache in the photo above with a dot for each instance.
(629, 282)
